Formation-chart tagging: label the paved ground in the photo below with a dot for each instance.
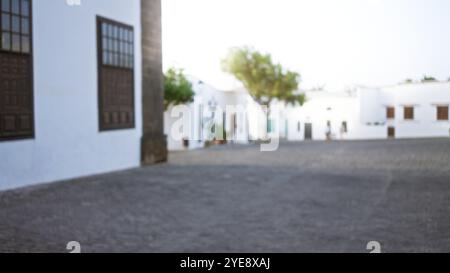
(307, 197)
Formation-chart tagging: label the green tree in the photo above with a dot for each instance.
(428, 79)
(177, 88)
(264, 80)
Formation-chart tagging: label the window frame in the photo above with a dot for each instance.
(438, 113)
(32, 134)
(390, 112)
(406, 114)
(101, 65)
(20, 33)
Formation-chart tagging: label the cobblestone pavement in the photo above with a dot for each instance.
(306, 197)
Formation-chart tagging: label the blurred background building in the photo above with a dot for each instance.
(399, 111)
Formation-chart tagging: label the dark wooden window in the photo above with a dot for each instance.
(16, 70)
(409, 112)
(390, 112)
(116, 75)
(442, 112)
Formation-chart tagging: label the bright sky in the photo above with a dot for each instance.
(335, 43)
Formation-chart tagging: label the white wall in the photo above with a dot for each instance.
(424, 98)
(369, 110)
(320, 108)
(206, 95)
(68, 142)
(365, 112)
(192, 124)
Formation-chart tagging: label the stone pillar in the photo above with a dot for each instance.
(154, 143)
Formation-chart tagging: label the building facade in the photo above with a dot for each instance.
(214, 115)
(402, 111)
(80, 88)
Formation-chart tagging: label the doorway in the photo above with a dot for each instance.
(308, 131)
(391, 132)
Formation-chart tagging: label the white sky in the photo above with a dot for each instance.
(335, 43)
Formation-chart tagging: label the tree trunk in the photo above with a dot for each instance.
(154, 144)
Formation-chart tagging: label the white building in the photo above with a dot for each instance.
(72, 88)
(400, 111)
(214, 115)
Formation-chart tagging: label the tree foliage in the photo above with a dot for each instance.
(264, 79)
(177, 88)
(428, 79)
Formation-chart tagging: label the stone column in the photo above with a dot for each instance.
(154, 143)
